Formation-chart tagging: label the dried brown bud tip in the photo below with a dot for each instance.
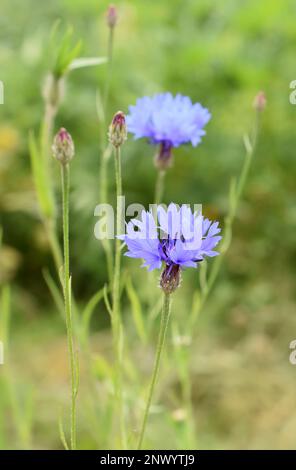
(170, 278)
(63, 147)
(117, 131)
(112, 16)
(260, 101)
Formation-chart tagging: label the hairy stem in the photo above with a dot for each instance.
(49, 222)
(104, 199)
(116, 314)
(110, 67)
(105, 152)
(159, 187)
(161, 341)
(67, 299)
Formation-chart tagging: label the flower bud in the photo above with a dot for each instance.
(164, 157)
(117, 131)
(260, 101)
(170, 278)
(63, 147)
(112, 16)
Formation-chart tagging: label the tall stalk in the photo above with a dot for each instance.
(105, 149)
(105, 153)
(160, 345)
(63, 151)
(110, 66)
(117, 136)
(67, 298)
(116, 314)
(52, 94)
(159, 187)
(63, 52)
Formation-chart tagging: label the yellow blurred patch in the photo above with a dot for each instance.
(10, 260)
(9, 139)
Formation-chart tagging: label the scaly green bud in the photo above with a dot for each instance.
(260, 101)
(117, 131)
(112, 16)
(63, 147)
(170, 278)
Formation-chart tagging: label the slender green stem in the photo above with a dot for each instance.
(104, 199)
(67, 298)
(50, 112)
(161, 340)
(105, 151)
(116, 314)
(110, 67)
(159, 186)
(234, 201)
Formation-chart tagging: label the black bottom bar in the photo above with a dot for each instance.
(133, 459)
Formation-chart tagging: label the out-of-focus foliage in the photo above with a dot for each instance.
(218, 53)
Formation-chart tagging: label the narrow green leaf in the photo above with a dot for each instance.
(63, 46)
(72, 54)
(106, 300)
(101, 368)
(55, 291)
(136, 310)
(77, 373)
(248, 144)
(232, 192)
(66, 52)
(83, 62)
(53, 32)
(62, 433)
(88, 311)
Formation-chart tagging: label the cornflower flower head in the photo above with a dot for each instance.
(168, 121)
(177, 239)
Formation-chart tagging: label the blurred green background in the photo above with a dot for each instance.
(218, 53)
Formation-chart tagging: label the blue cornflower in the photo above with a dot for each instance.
(179, 238)
(169, 121)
